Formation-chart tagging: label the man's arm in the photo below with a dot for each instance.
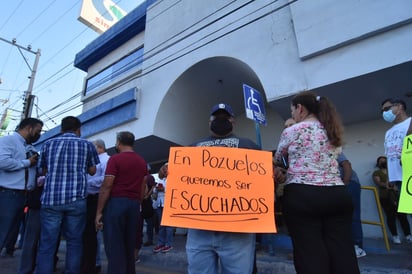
(8, 160)
(347, 171)
(97, 179)
(92, 170)
(104, 195)
(377, 180)
(144, 189)
(93, 159)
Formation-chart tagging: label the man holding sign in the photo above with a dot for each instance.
(394, 112)
(208, 251)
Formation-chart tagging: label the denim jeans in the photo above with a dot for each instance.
(354, 189)
(30, 242)
(71, 220)
(149, 229)
(11, 209)
(269, 239)
(99, 237)
(120, 219)
(209, 251)
(11, 239)
(165, 232)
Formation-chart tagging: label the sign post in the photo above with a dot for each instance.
(255, 109)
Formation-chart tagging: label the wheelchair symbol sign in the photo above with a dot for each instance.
(254, 105)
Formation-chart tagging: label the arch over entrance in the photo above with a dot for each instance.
(184, 112)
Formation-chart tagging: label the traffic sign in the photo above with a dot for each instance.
(254, 105)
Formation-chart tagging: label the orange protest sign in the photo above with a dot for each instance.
(220, 189)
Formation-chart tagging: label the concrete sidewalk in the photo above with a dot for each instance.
(378, 260)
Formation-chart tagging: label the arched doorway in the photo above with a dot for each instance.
(184, 112)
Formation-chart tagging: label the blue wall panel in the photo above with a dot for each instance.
(111, 113)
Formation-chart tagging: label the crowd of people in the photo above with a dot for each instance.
(73, 190)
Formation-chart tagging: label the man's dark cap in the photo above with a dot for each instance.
(224, 107)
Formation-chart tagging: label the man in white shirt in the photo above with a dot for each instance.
(90, 249)
(394, 112)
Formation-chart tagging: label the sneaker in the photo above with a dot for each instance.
(409, 238)
(359, 252)
(167, 248)
(158, 248)
(137, 260)
(396, 240)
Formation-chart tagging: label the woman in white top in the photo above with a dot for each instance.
(165, 239)
(316, 205)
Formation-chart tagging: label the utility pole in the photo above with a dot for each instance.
(28, 97)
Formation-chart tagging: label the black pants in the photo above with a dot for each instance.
(319, 221)
(88, 265)
(391, 212)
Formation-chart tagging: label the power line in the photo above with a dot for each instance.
(159, 64)
(37, 17)
(66, 101)
(182, 52)
(55, 74)
(218, 37)
(54, 23)
(64, 47)
(71, 41)
(11, 14)
(24, 29)
(196, 30)
(147, 55)
(7, 59)
(49, 27)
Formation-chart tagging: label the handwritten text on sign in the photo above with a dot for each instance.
(221, 189)
(405, 200)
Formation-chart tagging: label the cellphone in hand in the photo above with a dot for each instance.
(285, 162)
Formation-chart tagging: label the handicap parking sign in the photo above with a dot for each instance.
(254, 105)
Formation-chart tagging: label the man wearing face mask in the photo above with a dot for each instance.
(394, 112)
(17, 170)
(208, 251)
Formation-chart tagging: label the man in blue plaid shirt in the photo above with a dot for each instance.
(65, 161)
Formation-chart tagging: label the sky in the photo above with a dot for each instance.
(51, 26)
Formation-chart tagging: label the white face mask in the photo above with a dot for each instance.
(388, 116)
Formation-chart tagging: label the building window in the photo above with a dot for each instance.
(111, 74)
